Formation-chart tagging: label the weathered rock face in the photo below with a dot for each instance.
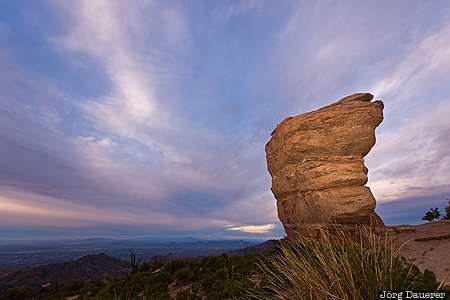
(317, 166)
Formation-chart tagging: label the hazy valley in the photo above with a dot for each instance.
(19, 255)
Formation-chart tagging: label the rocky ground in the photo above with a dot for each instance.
(427, 246)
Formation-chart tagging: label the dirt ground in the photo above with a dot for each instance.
(427, 246)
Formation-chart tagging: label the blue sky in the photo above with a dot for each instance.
(145, 118)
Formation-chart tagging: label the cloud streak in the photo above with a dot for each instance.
(260, 229)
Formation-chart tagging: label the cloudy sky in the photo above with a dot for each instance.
(141, 118)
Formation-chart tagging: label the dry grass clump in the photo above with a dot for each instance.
(339, 265)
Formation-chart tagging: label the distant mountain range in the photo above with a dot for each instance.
(26, 254)
(90, 268)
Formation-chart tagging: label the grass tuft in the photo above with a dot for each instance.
(339, 265)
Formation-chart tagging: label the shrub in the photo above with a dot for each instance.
(447, 211)
(339, 265)
(141, 285)
(17, 293)
(74, 285)
(432, 214)
(187, 295)
(186, 274)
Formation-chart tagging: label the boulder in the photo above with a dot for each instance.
(317, 166)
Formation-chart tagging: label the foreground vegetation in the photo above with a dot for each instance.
(338, 266)
(213, 277)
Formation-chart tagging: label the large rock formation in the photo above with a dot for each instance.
(317, 166)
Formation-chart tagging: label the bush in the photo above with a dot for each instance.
(432, 214)
(447, 211)
(186, 274)
(74, 285)
(339, 265)
(16, 293)
(174, 265)
(187, 295)
(141, 285)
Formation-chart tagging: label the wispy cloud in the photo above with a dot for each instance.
(108, 31)
(413, 159)
(31, 209)
(329, 50)
(422, 68)
(260, 229)
(156, 113)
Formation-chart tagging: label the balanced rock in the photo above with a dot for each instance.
(317, 166)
